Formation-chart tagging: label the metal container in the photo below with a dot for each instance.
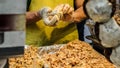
(12, 27)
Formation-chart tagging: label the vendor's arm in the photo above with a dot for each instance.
(32, 17)
(78, 15)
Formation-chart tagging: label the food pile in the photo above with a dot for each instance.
(30, 59)
(76, 54)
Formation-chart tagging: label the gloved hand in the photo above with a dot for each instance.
(44, 13)
(67, 13)
(63, 11)
(99, 10)
(60, 12)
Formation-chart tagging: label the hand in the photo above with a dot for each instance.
(65, 10)
(48, 20)
(68, 11)
(44, 12)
